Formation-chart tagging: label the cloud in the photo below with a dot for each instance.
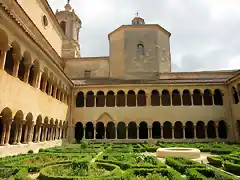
(204, 33)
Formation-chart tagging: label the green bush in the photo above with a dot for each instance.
(231, 167)
(30, 152)
(215, 160)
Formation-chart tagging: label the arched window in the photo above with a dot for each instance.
(63, 26)
(140, 49)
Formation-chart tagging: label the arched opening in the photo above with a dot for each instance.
(200, 128)
(1, 128)
(63, 26)
(110, 99)
(207, 97)
(235, 95)
(120, 99)
(178, 130)
(222, 129)
(167, 130)
(156, 130)
(176, 98)
(89, 130)
(165, 98)
(21, 70)
(9, 63)
(140, 49)
(31, 75)
(189, 130)
(197, 98)
(80, 99)
(132, 130)
(13, 131)
(238, 127)
(186, 97)
(24, 129)
(141, 98)
(47, 87)
(100, 130)
(42, 84)
(100, 99)
(35, 133)
(131, 98)
(155, 98)
(90, 99)
(143, 130)
(218, 99)
(110, 133)
(211, 130)
(121, 130)
(78, 131)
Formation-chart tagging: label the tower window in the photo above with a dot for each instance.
(87, 73)
(45, 20)
(140, 49)
(63, 26)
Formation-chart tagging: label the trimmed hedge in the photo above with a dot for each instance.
(215, 160)
(231, 167)
(207, 173)
(181, 164)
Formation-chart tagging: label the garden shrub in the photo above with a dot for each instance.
(231, 167)
(181, 164)
(30, 152)
(215, 160)
(207, 173)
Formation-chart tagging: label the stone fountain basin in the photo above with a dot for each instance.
(191, 153)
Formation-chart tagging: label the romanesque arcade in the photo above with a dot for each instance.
(155, 130)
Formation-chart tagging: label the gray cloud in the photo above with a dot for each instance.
(204, 33)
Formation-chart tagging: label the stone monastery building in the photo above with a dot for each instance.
(50, 94)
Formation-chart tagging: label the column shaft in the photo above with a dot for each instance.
(3, 133)
(19, 133)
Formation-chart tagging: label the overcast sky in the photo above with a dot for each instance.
(205, 33)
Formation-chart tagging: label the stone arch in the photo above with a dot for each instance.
(155, 98)
(235, 95)
(110, 99)
(90, 99)
(121, 130)
(167, 130)
(165, 98)
(200, 130)
(211, 129)
(80, 99)
(17, 120)
(6, 114)
(197, 97)
(156, 130)
(121, 99)
(3, 43)
(132, 130)
(131, 98)
(143, 130)
(178, 130)
(89, 130)
(100, 130)
(78, 131)
(189, 130)
(100, 99)
(218, 97)
(37, 129)
(110, 131)
(222, 129)
(33, 72)
(176, 98)
(141, 98)
(186, 98)
(207, 97)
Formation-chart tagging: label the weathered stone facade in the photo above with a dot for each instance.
(50, 93)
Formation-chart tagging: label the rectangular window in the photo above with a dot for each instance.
(87, 73)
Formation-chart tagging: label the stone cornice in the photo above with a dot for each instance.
(14, 10)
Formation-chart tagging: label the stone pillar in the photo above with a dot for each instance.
(45, 135)
(3, 133)
(49, 91)
(26, 133)
(8, 131)
(16, 60)
(94, 132)
(51, 134)
(161, 132)
(44, 83)
(125, 95)
(149, 132)
(19, 133)
(30, 134)
(55, 92)
(56, 133)
(60, 133)
(27, 70)
(39, 133)
(36, 134)
(3, 57)
(105, 132)
(183, 129)
(206, 134)
(217, 134)
(84, 132)
(16, 133)
(37, 81)
(195, 132)
(115, 132)
(126, 132)
(173, 132)
(137, 131)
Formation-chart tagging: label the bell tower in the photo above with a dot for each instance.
(70, 24)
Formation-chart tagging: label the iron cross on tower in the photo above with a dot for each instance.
(137, 14)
